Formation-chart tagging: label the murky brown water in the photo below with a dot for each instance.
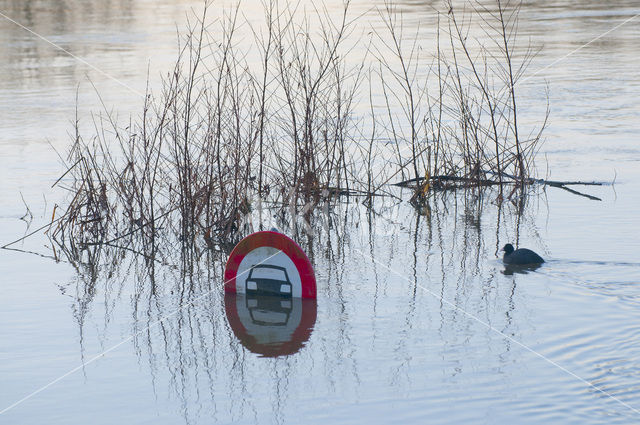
(383, 343)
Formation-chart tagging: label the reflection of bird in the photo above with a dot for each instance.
(520, 256)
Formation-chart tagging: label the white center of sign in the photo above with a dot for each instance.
(268, 263)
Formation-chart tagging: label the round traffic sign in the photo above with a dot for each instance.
(269, 263)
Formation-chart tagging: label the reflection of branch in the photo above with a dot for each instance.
(24, 251)
(32, 233)
(147, 257)
(575, 192)
(27, 213)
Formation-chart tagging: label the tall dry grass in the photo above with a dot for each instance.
(281, 121)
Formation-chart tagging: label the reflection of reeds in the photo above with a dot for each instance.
(183, 337)
(223, 132)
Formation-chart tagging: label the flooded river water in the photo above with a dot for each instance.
(417, 320)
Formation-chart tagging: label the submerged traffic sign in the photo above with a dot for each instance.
(269, 263)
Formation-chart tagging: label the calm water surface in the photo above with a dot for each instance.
(380, 345)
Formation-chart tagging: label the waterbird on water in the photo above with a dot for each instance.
(520, 256)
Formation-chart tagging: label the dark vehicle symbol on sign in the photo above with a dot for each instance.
(267, 279)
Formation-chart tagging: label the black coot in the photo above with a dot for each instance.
(520, 256)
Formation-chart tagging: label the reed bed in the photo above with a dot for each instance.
(293, 121)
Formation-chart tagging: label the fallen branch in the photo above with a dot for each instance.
(561, 184)
(414, 182)
(471, 180)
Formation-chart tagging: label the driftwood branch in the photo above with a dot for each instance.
(488, 182)
(436, 179)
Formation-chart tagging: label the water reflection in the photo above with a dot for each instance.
(386, 277)
(511, 269)
(271, 326)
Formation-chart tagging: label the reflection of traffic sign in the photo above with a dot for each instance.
(270, 325)
(269, 263)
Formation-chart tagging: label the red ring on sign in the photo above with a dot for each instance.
(280, 242)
